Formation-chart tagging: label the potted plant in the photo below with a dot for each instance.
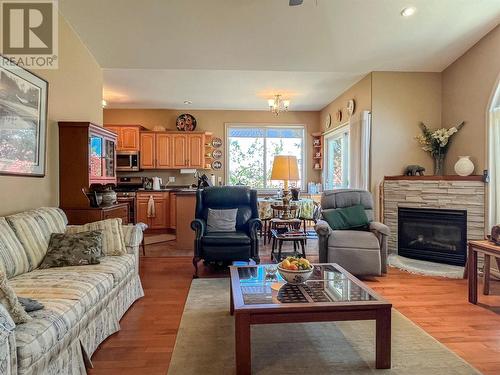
(437, 142)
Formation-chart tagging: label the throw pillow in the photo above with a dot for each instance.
(73, 249)
(353, 217)
(30, 304)
(113, 242)
(221, 220)
(8, 299)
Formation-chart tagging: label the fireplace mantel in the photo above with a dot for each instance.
(439, 192)
(436, 178)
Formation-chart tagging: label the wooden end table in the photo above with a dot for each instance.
(331, 294)
(279, 238)
(488, 249)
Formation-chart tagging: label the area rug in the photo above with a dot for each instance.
(205, 343)
(421, 267)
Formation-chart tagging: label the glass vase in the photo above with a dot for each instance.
(439, 165)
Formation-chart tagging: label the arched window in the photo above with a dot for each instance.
(494, 158)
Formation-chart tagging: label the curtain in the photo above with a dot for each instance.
(359, 151)
(494, 167)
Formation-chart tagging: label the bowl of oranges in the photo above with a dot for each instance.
(295, 270)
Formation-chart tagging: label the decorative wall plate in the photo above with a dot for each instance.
(216, 142)
(328, 121)
(186, 122)
(216, 154)
(351, 106)
(216, 165)
(338, 115)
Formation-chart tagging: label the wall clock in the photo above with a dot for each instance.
(351, 106)
(338, 115)
(328, 121)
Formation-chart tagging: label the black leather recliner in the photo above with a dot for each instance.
(241, 245)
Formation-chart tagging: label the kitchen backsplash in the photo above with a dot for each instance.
(180, 179)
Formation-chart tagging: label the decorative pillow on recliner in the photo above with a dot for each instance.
(221, 220)
(73, 249)
(353, 217)
(113, 242)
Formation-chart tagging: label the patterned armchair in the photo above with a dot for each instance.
(243, 244)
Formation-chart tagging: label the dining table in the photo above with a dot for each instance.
(305, 209)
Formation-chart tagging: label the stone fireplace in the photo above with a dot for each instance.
(432, 217)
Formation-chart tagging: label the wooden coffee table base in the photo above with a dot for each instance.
(382, 316)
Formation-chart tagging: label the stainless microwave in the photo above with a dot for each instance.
(127, 161)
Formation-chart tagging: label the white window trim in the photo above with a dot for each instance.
(228, 125)
(343, 128)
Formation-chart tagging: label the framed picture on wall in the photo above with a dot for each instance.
(23, 121)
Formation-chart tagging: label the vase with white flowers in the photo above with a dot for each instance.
(437, 142)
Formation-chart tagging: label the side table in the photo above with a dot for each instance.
(488, 249)
(279, 238)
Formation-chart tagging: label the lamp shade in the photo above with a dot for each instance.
(285, 168)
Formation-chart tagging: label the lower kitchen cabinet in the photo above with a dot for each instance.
(159, 218)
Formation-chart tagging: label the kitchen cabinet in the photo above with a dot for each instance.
(163, 151)
(196, 150)
(173, 210)
(128, 136)
(147, 156)
(172, 150)
(180, 151)
(161, 217)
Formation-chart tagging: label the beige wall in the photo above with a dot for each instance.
(400, 101)
(75, 93)
(468, 84)
(212, 121)
(361, 92)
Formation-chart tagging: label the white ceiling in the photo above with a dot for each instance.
(234, 54)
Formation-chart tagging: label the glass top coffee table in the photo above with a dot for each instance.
(331, 294)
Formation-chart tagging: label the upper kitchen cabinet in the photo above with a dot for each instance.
(128, 136)
(172, 150)
(147, 155)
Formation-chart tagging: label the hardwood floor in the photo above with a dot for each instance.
(148, 331)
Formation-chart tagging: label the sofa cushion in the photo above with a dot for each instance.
(33, 229)
(13, 259)
(225, 238)
(119, 267)
(47, 328)
(59, 283)
(113, 242)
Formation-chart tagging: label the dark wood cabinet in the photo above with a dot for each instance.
(87, 156)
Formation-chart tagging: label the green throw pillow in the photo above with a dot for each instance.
(73, 249)
(353, 217)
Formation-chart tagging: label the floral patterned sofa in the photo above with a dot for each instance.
(83, 305)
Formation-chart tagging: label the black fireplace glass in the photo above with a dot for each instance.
(436, 235)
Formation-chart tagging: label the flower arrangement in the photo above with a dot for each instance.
(437, 142)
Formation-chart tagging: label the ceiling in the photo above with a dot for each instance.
(235, 54)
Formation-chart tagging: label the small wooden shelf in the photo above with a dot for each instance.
(317, 145)
(437, 178)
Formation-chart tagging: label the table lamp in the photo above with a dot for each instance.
(285, 168)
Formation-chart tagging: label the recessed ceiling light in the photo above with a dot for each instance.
(409, 11)
(188, 102)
